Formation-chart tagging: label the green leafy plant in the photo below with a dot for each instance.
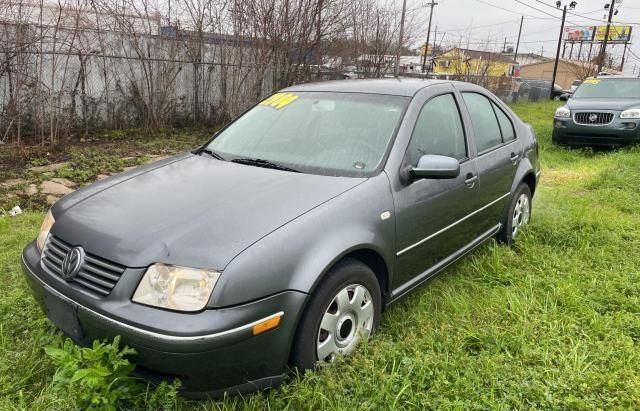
(38, 161)
(97, 377)
(164, 397)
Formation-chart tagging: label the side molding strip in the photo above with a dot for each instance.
(399, 253)
(421, 278)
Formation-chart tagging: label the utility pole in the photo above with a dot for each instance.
(504, 48)
(603, 49)
(555, 65)
(624, 53)
(404, 10)
(433, 49)
(515, 55)
(426, 45)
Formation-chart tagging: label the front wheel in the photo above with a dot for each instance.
(518, 216)
(344, 309)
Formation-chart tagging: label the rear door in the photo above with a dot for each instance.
(499, 153)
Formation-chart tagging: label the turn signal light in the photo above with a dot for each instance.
(267, 325)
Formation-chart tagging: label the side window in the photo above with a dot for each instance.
(505, 124)
(438, 130)
(484, 121)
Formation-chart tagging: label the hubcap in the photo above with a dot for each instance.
(347, 319)
(521, 214)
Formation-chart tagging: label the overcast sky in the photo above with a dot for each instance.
(491, 21)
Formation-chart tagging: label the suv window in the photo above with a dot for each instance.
(438, 130)
(508, 134)
(485, 123)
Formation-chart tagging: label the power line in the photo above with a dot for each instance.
(633, 54)
(568, 11)
(511, 11)
(538, 10)
(602, 20)
(484, 25)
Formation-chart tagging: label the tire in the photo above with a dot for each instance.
(344, 324)
(518, 216)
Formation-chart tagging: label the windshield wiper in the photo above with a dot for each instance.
(258, 162)
(211, 153)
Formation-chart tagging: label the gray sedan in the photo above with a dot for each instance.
(281, 241)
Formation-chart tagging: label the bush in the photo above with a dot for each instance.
(98, 378)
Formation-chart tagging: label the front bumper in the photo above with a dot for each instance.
(211, 352)
(567, 131)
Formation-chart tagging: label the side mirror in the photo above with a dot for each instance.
(435, 166)
(564, 97)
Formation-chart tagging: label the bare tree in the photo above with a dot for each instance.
(75, 65)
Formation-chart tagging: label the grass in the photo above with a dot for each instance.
(552, 323)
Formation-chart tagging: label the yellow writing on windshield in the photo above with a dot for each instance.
(591, 81)
(279, 100)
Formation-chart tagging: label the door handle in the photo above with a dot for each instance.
(514, 157)
(471, 180)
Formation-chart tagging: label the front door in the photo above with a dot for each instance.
(432, 214)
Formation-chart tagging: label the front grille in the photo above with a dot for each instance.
(97, 275)
(593, 118)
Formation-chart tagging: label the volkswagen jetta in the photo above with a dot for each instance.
(281, 241)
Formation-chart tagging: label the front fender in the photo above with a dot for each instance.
(297, 255)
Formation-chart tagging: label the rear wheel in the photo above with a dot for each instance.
(344, 309)
(518, 216)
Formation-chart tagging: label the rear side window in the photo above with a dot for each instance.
(508, 134)
(438, 130)
(485, 123)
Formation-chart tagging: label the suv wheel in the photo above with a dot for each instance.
(344, 309)
(518, 216)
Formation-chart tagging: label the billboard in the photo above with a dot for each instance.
(579, 33)
(620, 34)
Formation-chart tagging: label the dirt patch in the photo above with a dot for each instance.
(558, 177)
(37, 176)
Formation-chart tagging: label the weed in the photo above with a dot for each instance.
(97, 377)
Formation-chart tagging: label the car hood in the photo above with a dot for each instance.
(602, 104)
(189, 210)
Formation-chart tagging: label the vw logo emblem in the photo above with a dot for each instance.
(72, 263)
(593, 117)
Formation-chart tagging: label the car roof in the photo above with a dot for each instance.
(615, 76)
(394, 87)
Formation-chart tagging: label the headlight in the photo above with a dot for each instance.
(633, 113)
(44, 230)
(563, 112)
(176, 288)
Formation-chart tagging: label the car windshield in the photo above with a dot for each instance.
(609, 88)
(339, 134)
